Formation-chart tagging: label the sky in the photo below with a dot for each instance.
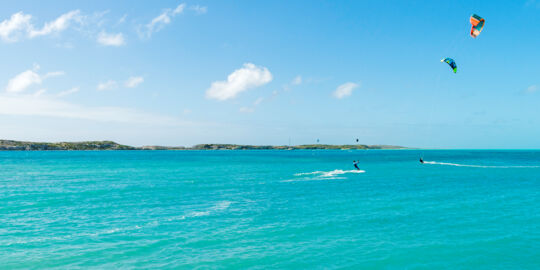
(271, 72)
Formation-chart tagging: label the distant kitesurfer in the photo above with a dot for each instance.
(355, 163)
(421, 160)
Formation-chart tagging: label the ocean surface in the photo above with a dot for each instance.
(270, 209)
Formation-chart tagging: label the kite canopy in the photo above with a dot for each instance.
(477, 25)
(451, 63)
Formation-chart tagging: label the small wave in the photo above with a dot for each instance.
(220, 206)
(199, 214)
(476, 166)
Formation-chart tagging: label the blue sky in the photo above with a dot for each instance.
(254, 72)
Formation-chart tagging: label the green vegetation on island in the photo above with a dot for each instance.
(110, 145)
(295, 147)
(90, 145)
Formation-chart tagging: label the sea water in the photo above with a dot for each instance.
(270, 209)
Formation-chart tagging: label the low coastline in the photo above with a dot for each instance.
(11, 145)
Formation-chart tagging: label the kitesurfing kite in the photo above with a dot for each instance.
(451, 63)
(477, 25)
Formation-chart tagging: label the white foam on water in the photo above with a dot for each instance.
(323, 175)
(330, 173)
(220, 206)
(476, 166)
(199, 214)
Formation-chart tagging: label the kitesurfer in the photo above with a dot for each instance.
(421, 160)
(355, 163)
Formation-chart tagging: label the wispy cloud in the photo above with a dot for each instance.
(248, 77)
(179, 9)
(258, 101)
(53, 74)
(345, 90)
(297, 80)
(27, 78)
(246, 109)
(251, 109)
(108, 85)
(68, 92)
(59, 24)
(39, 92)
(199, 9)
(30, 105)
(122, 19)
(109, 39)
(133, 82)
(532, 89)
(20, 26)
(164, 18)
(65, 45)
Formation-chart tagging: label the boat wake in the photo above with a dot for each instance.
(477, 166)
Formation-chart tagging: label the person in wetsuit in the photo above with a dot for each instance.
(355, 163)
(421, 160)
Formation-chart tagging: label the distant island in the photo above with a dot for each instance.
(10, 145)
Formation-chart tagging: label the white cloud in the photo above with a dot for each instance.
(199, 9)
(39, 92)
(246, 110)
(108, 85)
(179, 9)
(161, 20)
(133, 82)
(258, 101)
(532, 89)
(22, 81)
(297, 80)
(10, 29)
(52, 74)
(20, 25)
(29, 105)
(158, 23)
(68, 92)
(60, 24)
(247, 77)
(122, 20)
(111, 39)
(252, 108)
(345, 90)
(28, 78)
(65, 45)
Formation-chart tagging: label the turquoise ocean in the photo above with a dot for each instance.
(463, 209)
